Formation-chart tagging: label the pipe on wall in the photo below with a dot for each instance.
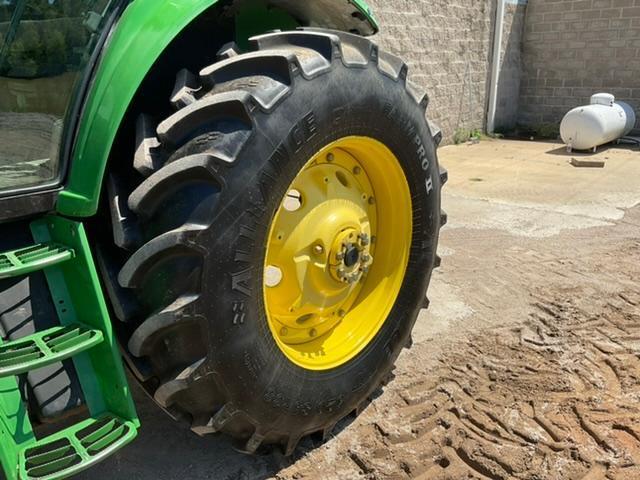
(495, 66)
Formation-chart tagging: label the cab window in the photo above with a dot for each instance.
(45, 48)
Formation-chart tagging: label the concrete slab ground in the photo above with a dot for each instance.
(519, 190)
(531, 189)
(526, 364)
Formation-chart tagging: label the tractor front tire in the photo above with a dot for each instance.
(305, 109)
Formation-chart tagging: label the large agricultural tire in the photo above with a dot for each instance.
(200, 223)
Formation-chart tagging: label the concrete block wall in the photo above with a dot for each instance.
(447, 44)
(574, 48)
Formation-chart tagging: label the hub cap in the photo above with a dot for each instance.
(337, 253)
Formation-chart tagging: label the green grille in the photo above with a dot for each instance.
(45, 348)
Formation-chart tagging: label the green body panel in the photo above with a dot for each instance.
(146, 28)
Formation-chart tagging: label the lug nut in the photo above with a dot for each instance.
(318, 249)
(340, 256)
(366, 258)
(341, 313)
(356, 170)
(313, 332)
(364, 239)
(341, 272)
(330, 157)
(372, 200)
(284, 331)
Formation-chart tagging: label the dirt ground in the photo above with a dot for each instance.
(527, 365)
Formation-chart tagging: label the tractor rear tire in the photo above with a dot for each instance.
(214, 175)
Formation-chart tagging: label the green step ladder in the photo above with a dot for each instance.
(85, 336)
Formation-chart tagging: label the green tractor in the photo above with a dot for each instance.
(240, 198)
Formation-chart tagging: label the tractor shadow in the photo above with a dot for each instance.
(167, 450)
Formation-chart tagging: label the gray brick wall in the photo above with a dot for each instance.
(447, 44)
(574, 48)
(556, 54)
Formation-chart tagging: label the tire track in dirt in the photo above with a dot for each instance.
(554, 397)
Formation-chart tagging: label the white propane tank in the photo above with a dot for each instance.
(605, 120)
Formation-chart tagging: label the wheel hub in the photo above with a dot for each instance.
(353, 256)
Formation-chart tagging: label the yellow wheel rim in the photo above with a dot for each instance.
(337, 253)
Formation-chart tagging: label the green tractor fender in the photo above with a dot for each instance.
(145, 29)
